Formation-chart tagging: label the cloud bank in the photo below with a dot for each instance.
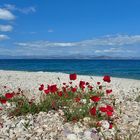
(117, 45)
(118, 40)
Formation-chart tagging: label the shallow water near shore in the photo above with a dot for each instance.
(116, 68)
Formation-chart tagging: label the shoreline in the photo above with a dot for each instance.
(87, 75)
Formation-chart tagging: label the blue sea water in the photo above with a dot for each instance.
(115, 68)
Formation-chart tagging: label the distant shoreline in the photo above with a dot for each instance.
(137, 59)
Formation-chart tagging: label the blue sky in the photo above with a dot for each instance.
(70, 27)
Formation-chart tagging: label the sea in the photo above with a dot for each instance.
(115, 68)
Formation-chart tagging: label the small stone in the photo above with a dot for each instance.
(105, 124)
(87, 134)
(20, 138)
(72, 137)
(40, 130)
(135, 123)
(76, 129)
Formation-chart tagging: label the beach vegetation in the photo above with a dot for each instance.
(79, 102)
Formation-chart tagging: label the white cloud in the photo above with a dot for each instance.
(119, 40)
(6, 14)
(25, 10)
(6, 28)
(110, 50)
(113, 50)
(44, 44)
(3, 37)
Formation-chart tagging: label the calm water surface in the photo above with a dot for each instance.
(116, 68)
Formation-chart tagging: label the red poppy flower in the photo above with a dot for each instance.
(67, 86)
(95, 98)
(98, 83)
(74, 119)
(110, 108)
(107, 78)
(53, 88)
(41, 87)
(98, 124)
(93, 111)
(64, 83)
(64, 89)
(74, 89)
(73, 76)
(109, 113)
(77, 99)
(108, 91)
(0, 108)
(3, 101)
(46, 91)
(110, 126)
(103, 109)
(9, 95)
(60, 93)
(87, 83)
(82, 84)
(90, 87)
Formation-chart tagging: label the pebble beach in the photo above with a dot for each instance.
(51, 125)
